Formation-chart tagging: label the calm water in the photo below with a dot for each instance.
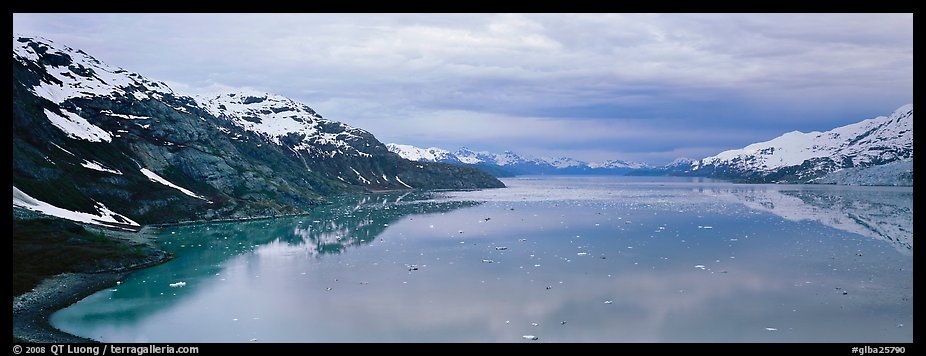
(613, 259)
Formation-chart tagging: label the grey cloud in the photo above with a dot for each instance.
(755, 73)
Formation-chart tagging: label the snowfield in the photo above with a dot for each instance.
(103, 216)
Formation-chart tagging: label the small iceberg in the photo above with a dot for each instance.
(530, 337)
(178, 284)
(501, 248)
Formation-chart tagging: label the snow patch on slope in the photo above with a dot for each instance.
(402, 183)
(97, 166)
(364, 180)
(77, 127)
(104, 216)
(156, 178)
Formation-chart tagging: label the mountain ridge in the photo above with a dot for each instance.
(97, 139)
(797, 157)
(511, 162)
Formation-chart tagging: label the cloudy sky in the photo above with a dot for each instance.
(590, 86)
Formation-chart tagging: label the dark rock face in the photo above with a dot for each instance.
(83, 132)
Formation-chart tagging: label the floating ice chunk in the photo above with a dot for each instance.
(771, 329)
(522, 240)
(700, 266)
(530, 337)
(178, 284)
(535, 324)
(609, 301)
(488, 261)
(501, 248)
(581, 253)
(254, 340)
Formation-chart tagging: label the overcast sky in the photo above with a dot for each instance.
(590, 86)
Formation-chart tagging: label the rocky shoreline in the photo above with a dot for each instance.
(32, 309)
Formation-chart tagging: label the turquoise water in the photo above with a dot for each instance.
(612, 259)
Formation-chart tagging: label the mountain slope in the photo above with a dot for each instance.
(95, 139)
(798, 157)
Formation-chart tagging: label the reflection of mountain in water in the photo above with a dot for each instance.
(352, 221)
(885, 214)
(203, 249)
(358, 221)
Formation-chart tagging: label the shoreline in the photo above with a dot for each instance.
(31, 310)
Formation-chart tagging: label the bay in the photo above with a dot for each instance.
(561, 259)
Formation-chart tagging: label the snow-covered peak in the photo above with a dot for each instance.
(277, 117)
(412, 153)
(616, 163)
(75, 74)
(469, 156)
(513, 162)
(880, 139)
(680, 162)
(564, 162)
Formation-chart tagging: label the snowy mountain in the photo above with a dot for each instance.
(431, 154)
(683, 162)
(799, 157)
(98, 143)
(618, 164)
(510, 163)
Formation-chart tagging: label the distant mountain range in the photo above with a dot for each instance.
(103, 145)
(509, 163)
(876, 151)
